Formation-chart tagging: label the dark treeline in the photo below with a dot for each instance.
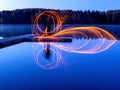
(25, 16)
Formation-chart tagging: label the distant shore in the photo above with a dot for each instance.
(26, 16)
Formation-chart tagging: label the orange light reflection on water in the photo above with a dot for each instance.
(104, 40)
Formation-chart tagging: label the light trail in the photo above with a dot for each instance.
(104, 40)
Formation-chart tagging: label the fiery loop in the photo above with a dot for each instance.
(104, 39)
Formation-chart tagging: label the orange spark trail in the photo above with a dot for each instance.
(87, 33)
(96, 39)
(50, 14)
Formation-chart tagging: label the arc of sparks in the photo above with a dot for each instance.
(104, 39)
(57, 23)
(87, 33)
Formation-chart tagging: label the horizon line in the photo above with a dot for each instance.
(58, 9)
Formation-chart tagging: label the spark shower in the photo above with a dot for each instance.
(83, 39)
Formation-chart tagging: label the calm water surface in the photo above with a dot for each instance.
(18, 70)
(8, 30)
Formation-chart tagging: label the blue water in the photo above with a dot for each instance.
(8, 30)
(18, 70)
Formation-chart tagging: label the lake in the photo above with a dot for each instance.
(75, 71)
(15, 30)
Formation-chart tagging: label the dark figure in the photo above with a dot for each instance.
(47, 51)
(49, 23)
(48, 26)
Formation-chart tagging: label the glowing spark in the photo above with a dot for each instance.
(77, 46)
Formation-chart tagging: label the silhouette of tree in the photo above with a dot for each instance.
(25, 16)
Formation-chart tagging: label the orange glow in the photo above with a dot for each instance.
(87, 33)
(50, 14)
(53, 61)
(104, 40)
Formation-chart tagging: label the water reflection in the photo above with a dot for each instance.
(96, 71)
(1, 37)
(104, 39)
(50, 55)
(47, 50)
(46, 55)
